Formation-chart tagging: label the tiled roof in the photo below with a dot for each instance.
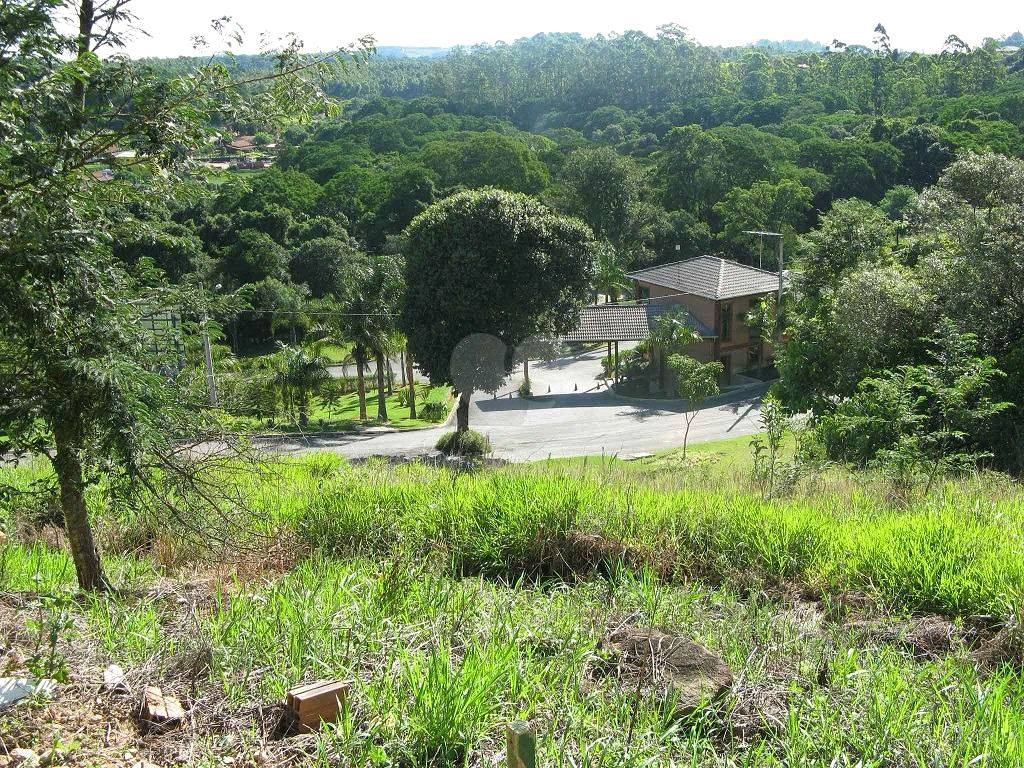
(711, 277)
(625, 322)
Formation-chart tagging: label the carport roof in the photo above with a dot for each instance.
(626, 322)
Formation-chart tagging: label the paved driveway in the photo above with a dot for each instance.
(575, 419)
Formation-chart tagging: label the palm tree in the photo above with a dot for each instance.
(673, 331)
(299, 374)
(370, 322)
(609, 272)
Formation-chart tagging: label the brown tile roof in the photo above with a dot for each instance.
(711, 277)
(625, 322)
(243, 142)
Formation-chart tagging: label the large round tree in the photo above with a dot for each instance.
(489, 263)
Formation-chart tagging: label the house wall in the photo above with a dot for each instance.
(703, 309)
(736, 350)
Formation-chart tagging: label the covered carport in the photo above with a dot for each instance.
(614, 323)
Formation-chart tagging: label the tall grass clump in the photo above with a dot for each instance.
(931, 556)
(464, 443)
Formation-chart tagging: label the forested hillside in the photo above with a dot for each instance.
(694, 143)
(667, 149)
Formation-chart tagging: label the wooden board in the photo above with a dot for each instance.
(158, 709)
(314, 703)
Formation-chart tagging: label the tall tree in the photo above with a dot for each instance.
(494, 264)
(77, 377)
(370, 320)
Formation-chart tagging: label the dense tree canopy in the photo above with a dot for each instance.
(491, 263)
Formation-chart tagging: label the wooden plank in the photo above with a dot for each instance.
(159, 709)
(522, 745)
(315, 703)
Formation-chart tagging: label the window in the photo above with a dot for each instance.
(725, 324)
(643, 294)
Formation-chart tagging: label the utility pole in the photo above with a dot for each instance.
(211, 381)
(778, 235)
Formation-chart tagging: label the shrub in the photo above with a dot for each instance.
(468, 443)
(434, 411)
(403, 395)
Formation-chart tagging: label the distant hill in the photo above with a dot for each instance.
(1016, 40)
(409, 52)
(790, 45)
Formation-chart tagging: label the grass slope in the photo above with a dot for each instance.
(859, 632)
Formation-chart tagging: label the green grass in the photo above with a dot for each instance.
(457, 603)
(343, 416)
(439, 665)
(336, 353)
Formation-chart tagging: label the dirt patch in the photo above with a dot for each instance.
(583, 554)
(759, 711)
(1003, 647)
(924, 637)
(676, 671)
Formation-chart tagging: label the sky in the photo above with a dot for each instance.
(328, 24)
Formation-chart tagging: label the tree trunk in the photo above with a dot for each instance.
(86, 21)
(361, 386)
(412, 385)
(403, 367)
(382, 394)
(66, 464)
(302, 398)
(526, 372)
(462, 412)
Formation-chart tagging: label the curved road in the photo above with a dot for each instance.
(575, 419)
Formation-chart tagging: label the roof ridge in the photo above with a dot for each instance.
(666, 264)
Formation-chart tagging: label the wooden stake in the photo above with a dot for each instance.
(522, 745)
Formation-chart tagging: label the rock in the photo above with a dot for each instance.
(24, 758)
(14, 689)
(113, 680)
(160, 711)
(681, 673)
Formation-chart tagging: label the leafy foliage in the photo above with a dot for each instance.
(465, 442)
(494, 263)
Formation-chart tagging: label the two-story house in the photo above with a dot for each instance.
(718, 293)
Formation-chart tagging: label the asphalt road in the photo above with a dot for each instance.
(575, 419)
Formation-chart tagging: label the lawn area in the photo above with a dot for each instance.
(343, 416)
(856, 630)
(336, 353)
(729, 459)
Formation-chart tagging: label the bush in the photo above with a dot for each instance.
(433, 411)
(403, 395)
(468, 443)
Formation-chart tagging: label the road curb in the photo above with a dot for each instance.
(669, 403)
